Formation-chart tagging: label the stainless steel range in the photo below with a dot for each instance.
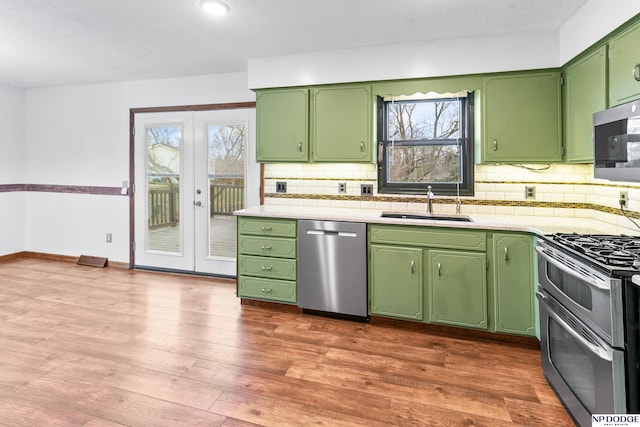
(589, 310)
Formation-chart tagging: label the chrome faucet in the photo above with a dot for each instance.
(430, 197)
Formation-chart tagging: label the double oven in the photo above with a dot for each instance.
(589, 310)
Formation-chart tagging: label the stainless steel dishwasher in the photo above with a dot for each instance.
(332, 268)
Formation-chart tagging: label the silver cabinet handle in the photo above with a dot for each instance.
(636, 72)
(495, 145)
(362, 146)
(267, 290)
(439, 270)
(266, 248)
(266, 268)
(266, 228)
(413, 264)
(300, 147)
(506, 253)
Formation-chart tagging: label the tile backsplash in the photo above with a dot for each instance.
(560, 190)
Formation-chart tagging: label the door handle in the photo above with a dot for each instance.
(362, 146)
(506, 253)
(495, 145)
(300, 147)
(636, 72)
(439, 270)
(413, 264)
(197, 203)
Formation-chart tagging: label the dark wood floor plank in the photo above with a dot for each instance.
(20, 413)
(193, 393)
(108, 347)
(267, 411)
(461, 399)
(114, 404)
(487, 381)
(302, 391)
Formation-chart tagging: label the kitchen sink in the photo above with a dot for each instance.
(425, 216)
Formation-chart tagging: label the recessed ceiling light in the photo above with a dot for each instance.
(215, 7)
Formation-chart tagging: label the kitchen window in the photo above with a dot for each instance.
(427, 141)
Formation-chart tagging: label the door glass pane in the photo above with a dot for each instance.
(226, 144)
(163, 189)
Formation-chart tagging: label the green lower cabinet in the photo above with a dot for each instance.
(458, 288)
(514, 266)
(395, 285)
(267, 289)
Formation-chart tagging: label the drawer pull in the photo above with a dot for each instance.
(362, 146)
(266, 248)
(495, 145)
(636, 72)
(267, 290)
(299, 147)
(266, 228)
(506, 253)
(266, 268)
(413, 263)
(439, 270)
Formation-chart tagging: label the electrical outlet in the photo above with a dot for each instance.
(624, 196)
(529, 192)
(108, 237)
(281, 186)
(342, 187)
(366, 190)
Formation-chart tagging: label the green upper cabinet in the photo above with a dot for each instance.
(282, 125)
(458, 288)
(395, 281)
(521, 118)
(585, 92)
(624, 66)
(342, 124)
(514, 270)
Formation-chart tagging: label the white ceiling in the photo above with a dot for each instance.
(60, 42)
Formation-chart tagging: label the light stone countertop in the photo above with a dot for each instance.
(531, 224)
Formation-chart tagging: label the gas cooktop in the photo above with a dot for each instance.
(613, 252)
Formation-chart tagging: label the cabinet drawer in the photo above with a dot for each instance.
(276, 268)
(267, 289)
(268, 246)
(449, 238)
(267, 226)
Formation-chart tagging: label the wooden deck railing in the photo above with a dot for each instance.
(226, 198)
(164, 206)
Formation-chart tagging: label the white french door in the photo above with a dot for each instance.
(193, 169)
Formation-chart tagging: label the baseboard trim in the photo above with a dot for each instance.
(56, 257)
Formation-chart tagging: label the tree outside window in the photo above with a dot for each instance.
(426, 142)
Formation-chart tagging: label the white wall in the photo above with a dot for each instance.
(12, 169)
(78, 135)
(506, 52)
(591, 23)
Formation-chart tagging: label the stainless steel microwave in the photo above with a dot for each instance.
(617, 143)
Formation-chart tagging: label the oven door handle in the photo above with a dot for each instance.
(591, 280)
(600, 351)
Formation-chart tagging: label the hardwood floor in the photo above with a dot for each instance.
(85, 346)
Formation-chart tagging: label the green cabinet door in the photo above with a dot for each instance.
(624, 66)
(342, 124)
(282, 121)
(585, 92)
(521, 118)
(395, 281)
(514, 283)
(458, 288)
